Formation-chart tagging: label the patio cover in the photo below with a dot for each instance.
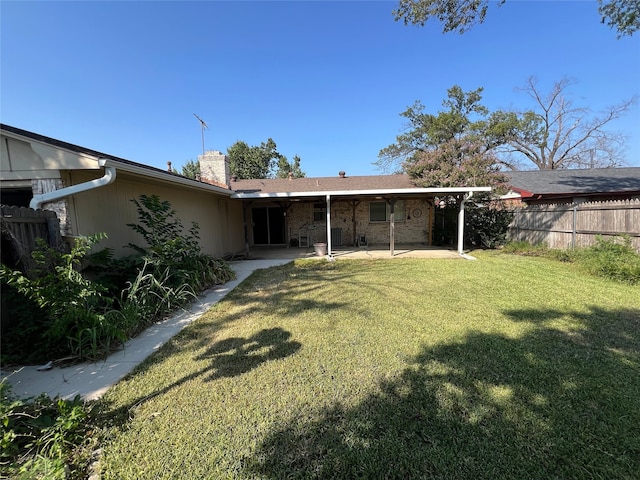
(326, 188)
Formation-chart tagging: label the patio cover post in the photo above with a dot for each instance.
(461, 223)
(329, 225)
(392, 226)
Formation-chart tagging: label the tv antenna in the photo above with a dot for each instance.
(204, 126)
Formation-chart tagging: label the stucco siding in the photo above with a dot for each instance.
(109, 209)
(31, 160)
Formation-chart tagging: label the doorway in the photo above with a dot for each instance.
(268, 225)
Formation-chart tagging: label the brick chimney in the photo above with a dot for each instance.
(214, 168)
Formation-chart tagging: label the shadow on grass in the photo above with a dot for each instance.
(552, 403)
(226, 358)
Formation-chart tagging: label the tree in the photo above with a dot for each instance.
(456, 163)
(558, 134)
(191, 169)
(253, 162)
(286, 168)
(461, 15)
(450, 149)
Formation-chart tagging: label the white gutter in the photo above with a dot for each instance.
(387, 191)
(461, 225)
(109, 177)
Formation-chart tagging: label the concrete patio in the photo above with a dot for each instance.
(342, 252)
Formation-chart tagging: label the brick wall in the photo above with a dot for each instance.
(414, 228)
(60, 207)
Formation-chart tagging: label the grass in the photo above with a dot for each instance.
(508, 367)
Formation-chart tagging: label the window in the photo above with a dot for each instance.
(381, 211)
(319, 212)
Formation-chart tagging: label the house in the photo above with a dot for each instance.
(569, 208)
(91, 192)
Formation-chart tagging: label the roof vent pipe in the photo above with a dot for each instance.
(342, 174)
(109, 177)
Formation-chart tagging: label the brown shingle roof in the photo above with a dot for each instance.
(322, 184)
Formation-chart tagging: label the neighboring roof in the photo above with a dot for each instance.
(595, 181)
(119, 163)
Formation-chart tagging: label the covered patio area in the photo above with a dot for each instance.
(370, 252)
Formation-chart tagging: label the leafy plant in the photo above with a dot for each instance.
(171, 252)
(75, 318)
(38, 436)
(486, 226)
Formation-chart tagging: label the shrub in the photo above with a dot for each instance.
(612, 258)
(486, 227)
(73, 318)
(173, 253)
(41, 437)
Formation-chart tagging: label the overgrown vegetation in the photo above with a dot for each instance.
(43, 437)
(71, 316)
(613, 258)
(58, 312)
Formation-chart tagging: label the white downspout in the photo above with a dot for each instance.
(461, 225)
(109, 177)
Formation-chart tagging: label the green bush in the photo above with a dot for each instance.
(41, 437)
(74, 317)
(486, 227)
(612, 258)
(57, 311)
(173, 253)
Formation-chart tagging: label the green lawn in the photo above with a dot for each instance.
(508, 367)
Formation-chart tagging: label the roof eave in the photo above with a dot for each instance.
(167, 177)
(340, 193)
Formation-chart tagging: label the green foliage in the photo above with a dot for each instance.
(191, 169)
(253, 162)
(172, 253)
(450, 149)
(612, 258)
(461, 15)
(286, 168)
(74, 317)
(148, 298)
(38, 437)
(622, 15)
(487, 227)
(456, 15)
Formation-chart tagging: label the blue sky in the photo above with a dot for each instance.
(326, 80)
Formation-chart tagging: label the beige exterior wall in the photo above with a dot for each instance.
(22, 160)
(108, 209)
(414, 228)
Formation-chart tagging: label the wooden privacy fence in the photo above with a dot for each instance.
(21, 227)
(566, 225)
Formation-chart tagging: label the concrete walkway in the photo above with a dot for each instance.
(92, 380)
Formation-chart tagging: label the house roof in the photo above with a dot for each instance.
(340, 186)
(322, 184)
(119, 163)
(576, 182)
